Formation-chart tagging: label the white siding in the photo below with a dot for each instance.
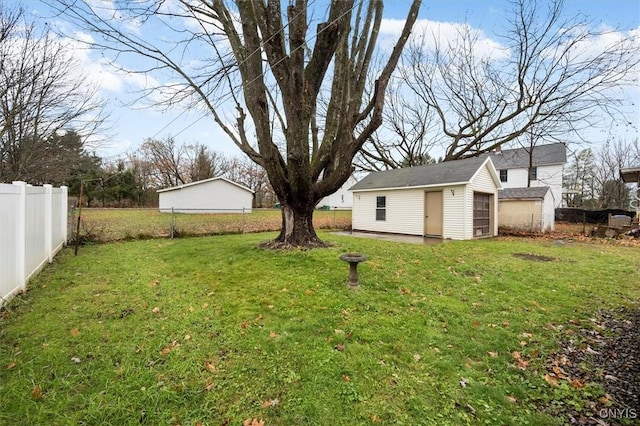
(405, 212)
(342, 198)
(484, 182)
(548, 213)
(550, 176)
(455, 220)
(216, 196)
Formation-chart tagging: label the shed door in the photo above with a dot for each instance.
(481, 214)
(433, 213)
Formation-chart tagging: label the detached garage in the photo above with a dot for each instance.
(526, 209)
(215, 195)
(453, 200)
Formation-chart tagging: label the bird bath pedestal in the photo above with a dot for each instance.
(353, 259)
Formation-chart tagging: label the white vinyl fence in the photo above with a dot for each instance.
(33, 228)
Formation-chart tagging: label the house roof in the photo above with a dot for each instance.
(543, 155)
(199, 182)
(535, 192)
(630, 175)
(446, 173)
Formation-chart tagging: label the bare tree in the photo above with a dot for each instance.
(265, 66)
(166, 160)
(405, 138)
(551, 81)
(254, 177)
(42, 97)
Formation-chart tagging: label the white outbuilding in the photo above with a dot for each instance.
(455, 200)
(526, 209)
(215, 195)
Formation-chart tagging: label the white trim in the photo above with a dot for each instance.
(173, 188)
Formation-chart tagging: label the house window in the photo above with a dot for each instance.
(503, 175)
(381, 208)
(481, 214)
(533, 173)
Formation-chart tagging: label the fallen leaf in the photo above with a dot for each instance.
(337, 331)
(534, 353)
(559, 372)
(463, 383)
(604, 399)
(527, 335)
(191, 309)
(578, 384)
(375, 418)
(209, 366)
(154, 283)
(493, 354)
(11, 366)
(244, 324)
(551, 380)
(273, 334)
(187, 337)
(511, 399)
(75, 332)
(253, 422)
(76, 360)
(505, 324)
(205, 305)
(522, 364)
(209, 386)
(515, 355)
(346, 378)
(308, 292)
(156, 310)
(259, 317)
(417, 357)
(36, 392)
(340, 347)
(270, 403)
(165, 350)
(523, 343)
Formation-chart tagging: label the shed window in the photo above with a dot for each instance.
(381, 208)
(503, 175)
(533, 173)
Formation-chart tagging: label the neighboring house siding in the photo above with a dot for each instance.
(405, 212)
(341, 199)
(217, 196)
(550, 176)
(455, 220)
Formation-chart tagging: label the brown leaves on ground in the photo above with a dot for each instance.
(36, 392)
(270, 403)
(253, 422)
(75, 332)
(523, 364)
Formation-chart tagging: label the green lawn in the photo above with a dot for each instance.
(215, 331)
(106, 225)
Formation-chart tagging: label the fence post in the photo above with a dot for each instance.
(173, 223)
(64, 204)
(48, 221)
(243, 220)
(21, 231)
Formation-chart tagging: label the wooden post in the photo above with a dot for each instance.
(75, 251)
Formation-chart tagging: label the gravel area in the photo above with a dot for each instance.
(605, 352)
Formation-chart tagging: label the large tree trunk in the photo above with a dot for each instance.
(297, 228)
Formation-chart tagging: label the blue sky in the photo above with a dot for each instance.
(132, 125)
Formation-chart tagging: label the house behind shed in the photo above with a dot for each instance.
(526, 209)
(215, 195)
(452, 200)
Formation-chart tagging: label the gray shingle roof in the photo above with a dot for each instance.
(543, 155)
(520, 193)
(459, 171)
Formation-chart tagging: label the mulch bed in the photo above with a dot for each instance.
(605, 352)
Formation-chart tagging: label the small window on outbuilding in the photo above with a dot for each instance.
(381, 208)
(503, 175)
(533, 173)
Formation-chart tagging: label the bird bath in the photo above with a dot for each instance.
(353, 259)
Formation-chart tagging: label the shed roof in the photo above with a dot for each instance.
(536, 192)
(199, 182)
(446, 173)
(543, 155)
(630, 175)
